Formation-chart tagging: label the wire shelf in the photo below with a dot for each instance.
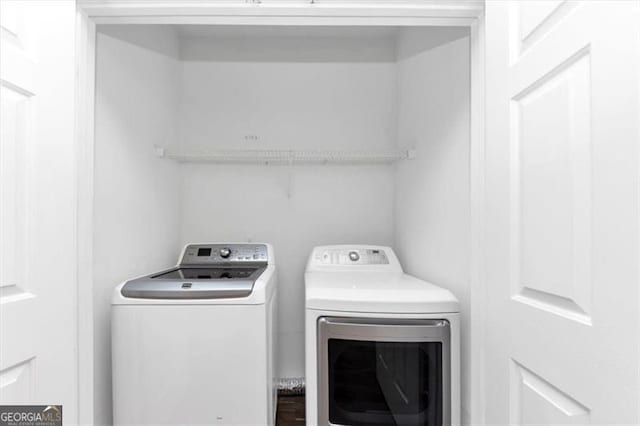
(280, 157)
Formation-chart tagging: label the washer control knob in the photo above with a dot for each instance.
(225, 252)
(354, 256)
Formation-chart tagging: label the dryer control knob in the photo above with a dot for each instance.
(225, 252)
(354, 256)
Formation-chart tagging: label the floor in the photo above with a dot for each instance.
(290, 411)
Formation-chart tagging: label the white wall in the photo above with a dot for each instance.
(312, 92)
(318, 93)
(137, 217)
(432, 192)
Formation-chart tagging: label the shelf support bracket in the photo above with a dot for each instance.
(160, 151)
(290, 175)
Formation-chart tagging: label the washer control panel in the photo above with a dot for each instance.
(351, 257)
(217, 254)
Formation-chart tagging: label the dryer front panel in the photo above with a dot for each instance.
(384, 372)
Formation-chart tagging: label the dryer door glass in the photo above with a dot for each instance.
(385, 382)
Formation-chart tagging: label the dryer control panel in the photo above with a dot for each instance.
(220, 254)
(355, 256)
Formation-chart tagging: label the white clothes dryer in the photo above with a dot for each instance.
(382, 347)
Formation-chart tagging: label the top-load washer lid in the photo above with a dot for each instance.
(206, 271)
(194, 283)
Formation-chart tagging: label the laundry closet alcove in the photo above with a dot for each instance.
(294, 135)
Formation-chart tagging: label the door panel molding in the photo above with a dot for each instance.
(17, 381)
(551, 165)
(531, 21)
(534, 400)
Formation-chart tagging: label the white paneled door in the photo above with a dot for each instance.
(562, 231)
(37, 206)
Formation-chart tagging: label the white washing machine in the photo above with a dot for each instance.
(194, 344)
(382, 347)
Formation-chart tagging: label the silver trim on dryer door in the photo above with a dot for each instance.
(381, 330)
